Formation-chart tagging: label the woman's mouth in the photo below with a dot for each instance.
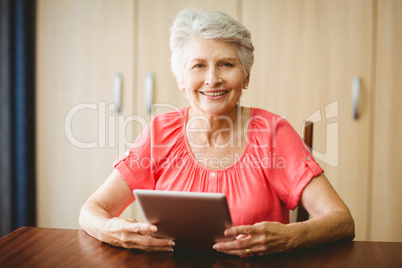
(214, 93)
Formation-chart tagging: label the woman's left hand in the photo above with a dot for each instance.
(258, 239)
(330, 220)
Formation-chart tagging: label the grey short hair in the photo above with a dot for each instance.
(210, 25)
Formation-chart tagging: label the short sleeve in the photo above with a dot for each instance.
(145, 159)
(294, 166)
(135, 165)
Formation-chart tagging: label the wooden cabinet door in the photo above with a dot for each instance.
(386, 216)
(81, 46)
(307, 54)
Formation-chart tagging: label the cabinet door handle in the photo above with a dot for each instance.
(149, 88)
(117, 91)
(355, 97)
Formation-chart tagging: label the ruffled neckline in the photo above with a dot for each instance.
(198, 163)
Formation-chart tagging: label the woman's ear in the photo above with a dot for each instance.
(246, 81)
(180, 84)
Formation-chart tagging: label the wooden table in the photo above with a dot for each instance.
(43, 247)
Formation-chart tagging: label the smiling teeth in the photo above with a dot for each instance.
(213, 94)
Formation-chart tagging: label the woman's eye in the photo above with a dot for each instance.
(198, 66)
(227, 64)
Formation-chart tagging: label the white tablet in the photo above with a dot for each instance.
(195, 221)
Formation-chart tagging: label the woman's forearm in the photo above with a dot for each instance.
(330, 220)
(108, 202)
(92, 217)
(336, 225)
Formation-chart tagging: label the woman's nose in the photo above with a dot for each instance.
(213, 78)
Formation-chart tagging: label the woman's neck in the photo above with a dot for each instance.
(215, 130)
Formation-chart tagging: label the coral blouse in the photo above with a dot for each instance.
(262, 185)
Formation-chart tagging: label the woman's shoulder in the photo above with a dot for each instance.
(266, 125)
(263, 118)
(168, 126)
(174, 116)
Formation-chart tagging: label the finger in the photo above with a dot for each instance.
(141, 228)
(240, 243)
(154, 249)
(237, 230)
(239, 252)
(242, 236)
(149, 243)
(154, 242)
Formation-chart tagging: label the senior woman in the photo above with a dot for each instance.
(251, 155)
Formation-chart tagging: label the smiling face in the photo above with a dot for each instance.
(213, 76)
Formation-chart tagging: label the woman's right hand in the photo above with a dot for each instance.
(99, 218)
(130, 234)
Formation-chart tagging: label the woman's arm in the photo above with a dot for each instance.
(330, 221)
(99, 218)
